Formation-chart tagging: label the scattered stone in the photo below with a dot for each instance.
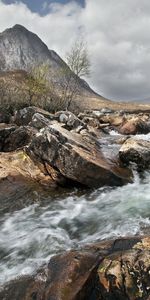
(106, 110)
(69, 119)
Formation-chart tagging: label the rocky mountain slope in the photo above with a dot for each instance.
(20, 49)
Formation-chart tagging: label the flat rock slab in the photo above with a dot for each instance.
(77, 157)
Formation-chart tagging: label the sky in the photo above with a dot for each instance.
(41, 6)
(116, 33)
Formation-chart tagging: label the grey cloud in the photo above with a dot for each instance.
(117, 34)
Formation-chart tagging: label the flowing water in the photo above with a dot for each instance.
(31, 235)
(45, 223)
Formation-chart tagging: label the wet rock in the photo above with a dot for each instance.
(17, 290)
(77, 157)
(75, 279)
(24, 116)
(137, 151)
(108, 270)
(67, 277)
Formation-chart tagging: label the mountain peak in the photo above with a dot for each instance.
(21, 49)
(19, 26)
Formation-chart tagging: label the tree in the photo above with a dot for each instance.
(37, 84)
(78, 65)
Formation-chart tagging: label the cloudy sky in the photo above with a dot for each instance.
(116, 32)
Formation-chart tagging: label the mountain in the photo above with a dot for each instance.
(20, 49)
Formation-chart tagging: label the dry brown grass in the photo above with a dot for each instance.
(97, 103)
(81, 103)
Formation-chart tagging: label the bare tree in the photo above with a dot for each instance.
(78, 65)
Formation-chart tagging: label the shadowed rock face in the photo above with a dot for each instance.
(5, 131)
(76, 157)
(17, 138)
(113, 270)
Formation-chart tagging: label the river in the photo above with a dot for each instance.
(45, 223)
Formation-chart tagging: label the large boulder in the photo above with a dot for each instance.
(108, 270)
(24, 116)
(134, 125)
(136, 151)
(77, 157)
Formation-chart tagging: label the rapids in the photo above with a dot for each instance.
(47, 223)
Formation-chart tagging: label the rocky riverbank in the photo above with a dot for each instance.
(113, 270)
(66, 150)
(70, 150)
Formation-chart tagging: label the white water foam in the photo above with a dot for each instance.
(30, 236)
